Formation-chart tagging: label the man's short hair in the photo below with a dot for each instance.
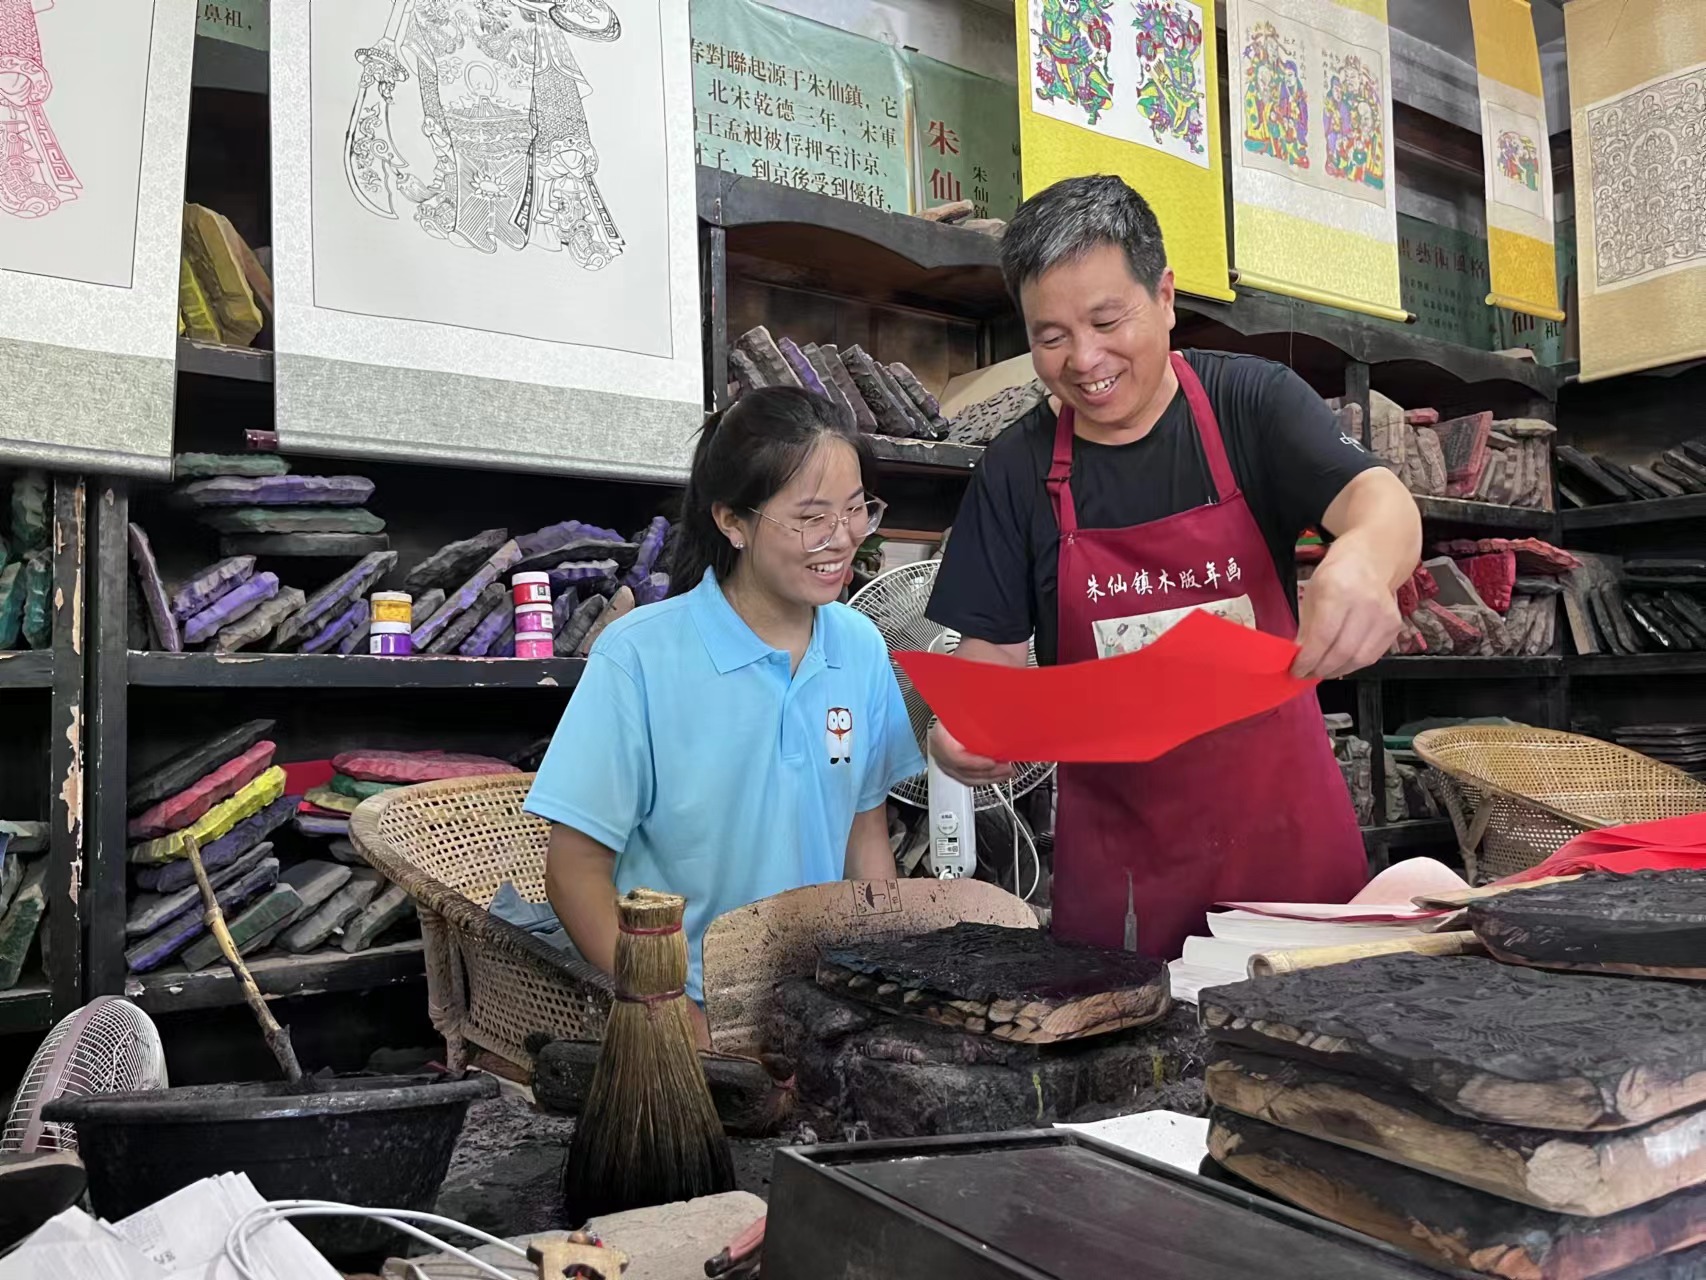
(1075, 216)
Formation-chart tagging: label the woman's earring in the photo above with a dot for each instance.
(740, 546)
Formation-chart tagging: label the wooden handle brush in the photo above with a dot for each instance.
(649, 1134)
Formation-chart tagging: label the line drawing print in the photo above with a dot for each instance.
(502, 94)
(35, 176)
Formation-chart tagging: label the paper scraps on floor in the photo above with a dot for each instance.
(1200, 675)
(180, 1238)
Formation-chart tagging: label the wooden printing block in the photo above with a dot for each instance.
(316, 880)
(1464, 443)
(1494, 1042)
(1587, 467)
(1575, 1173)
(205, 466)
(484, 637)
(621, 604)
(329, 797)
(151, 912)
(802, 368)
(424, 606)
(160, 946)
(1643, 491)
(1432, 459)
(234, 604)
(540, 541)
(311, 546)
(29, 512)
(1012, 984)
(1650, 924)
(1684, 479)
(571, 550)
(234, 846)
(488, 601)
(210, 584)
(36, 624)
(1651, 624)
(895, 416)
(567, 643)
(271, 909)
(193, 801)
(320, 826)
(1653, 480)
(291, 520)
(744, 372)
(165, 626)
(417, 766)
(332, 600)
(388, 910)
(275, 491)
(11, 879)
(1445, 1224)
(334, 912)
(759, 347)
(248, 801)
(185, 768)
(488, 574)
(921, 427)
(358, 637)
(827, 361)
(453, 562)
(341, 626)
(259, 623)
(568, 580)
(11, 603)
(1694, 468)
(19, 924)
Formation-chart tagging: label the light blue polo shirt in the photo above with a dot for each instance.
(690, 750)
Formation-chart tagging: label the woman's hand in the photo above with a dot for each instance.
(964, 766)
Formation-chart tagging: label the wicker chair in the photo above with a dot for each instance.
(1516, 794)
(450, 845)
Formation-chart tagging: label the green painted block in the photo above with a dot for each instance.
(29, 512)
(356, 789)
(278, 905)
(38, 592)
(205, 466)
(11, 878)
(18, 926)
(11, 604)
(292, 520)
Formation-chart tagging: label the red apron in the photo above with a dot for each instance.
(1257, 811)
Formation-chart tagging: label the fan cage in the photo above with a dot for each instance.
(895, 601)
(107, 1046)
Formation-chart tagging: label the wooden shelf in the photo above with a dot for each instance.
(357, 671)
(26, 669)
(1409, 834)
(1489, 515)
(1641, 664)
(1454, 668)
(279, 977)
(26, 1007)
(241, 364)
(924, 456)
(1614, 515)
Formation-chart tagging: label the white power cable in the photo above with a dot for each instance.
(263, 1216)
(1020, 827)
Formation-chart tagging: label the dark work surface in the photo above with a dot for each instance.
(1079, 1214)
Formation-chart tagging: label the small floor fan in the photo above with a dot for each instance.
(107, 1046)
(896, 601)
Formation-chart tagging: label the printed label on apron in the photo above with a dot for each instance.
(1115, 636)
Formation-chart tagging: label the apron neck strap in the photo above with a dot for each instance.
(1208, 431)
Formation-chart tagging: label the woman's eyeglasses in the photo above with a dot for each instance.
(817, 532)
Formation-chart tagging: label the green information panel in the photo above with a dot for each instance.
(968, 129)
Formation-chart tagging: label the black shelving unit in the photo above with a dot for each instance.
(53, 679)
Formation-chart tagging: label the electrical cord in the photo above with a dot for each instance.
(1020, 826)
(263, 1216)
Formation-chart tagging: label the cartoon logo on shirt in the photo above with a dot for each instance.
(838, 735)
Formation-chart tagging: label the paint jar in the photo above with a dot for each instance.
(390, 640)
(534, 645)
(530, 588)
(392, 606)
(534, 619)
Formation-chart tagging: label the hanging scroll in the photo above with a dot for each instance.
(94, 111)
(1635, 118)
(485, 232)
(1314, 206)
(1127, 87)
(1521, 248)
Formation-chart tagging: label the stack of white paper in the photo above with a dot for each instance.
(180, 1238)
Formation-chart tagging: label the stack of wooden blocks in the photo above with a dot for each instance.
(1488, 1115)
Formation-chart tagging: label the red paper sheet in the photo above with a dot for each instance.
(1201, 675)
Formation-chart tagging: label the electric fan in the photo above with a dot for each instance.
(896, 601)
(107, 1046)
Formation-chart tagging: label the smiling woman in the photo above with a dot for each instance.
(739, 739)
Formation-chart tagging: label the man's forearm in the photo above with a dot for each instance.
(1375, 520)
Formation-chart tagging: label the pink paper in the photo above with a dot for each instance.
(1201, 675)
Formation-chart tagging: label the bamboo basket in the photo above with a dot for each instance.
(1516, 794)
(450, 845)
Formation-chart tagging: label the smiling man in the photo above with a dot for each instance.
(1150, 484)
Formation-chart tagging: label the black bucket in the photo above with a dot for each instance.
(383, 1142)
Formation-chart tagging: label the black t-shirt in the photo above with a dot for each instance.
(1288, 455)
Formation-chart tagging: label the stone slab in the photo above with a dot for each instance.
(275, 491)
(151, 912)
(248, 801)
(388, 910)
(276, 905)
(203, 466)
(453, 562)
(291, 520)
(333, 598)
(179, 811)
(158, 948)
(209, 584)
(359, 890)
(259, 623)
(316, 880)
(233, 605)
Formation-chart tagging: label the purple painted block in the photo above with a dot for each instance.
(210, 584)
(802, 368)
(653, 589)
(335, 596)
(452, 563)
(462, 626)
(155, 950)
(229, 607)
(160, 620)
(480, 640)
(502, 560)
(276, 491)
(535, 543)
(313, 825)
(569, 579)
(651, 547)
(340, 626)
(151, 912)
(221, 852)
(356, 641)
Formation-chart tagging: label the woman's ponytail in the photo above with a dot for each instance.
(699, 544)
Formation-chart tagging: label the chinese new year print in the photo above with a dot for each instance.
(496, 165)
(73, 99)
(1132, 70)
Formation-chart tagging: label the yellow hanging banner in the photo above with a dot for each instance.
(1520, 252)
(1315, 213)
(1635, 124)
(1127, 87)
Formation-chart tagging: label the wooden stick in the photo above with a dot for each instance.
(1268, 963)
(277, 1037)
